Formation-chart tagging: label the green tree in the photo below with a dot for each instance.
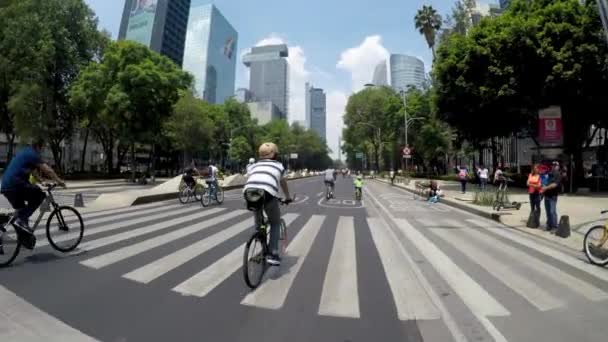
(240, 149)
(47, 43)
(428, 22)
(189, 128)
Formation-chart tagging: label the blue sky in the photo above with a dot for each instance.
(333, 43)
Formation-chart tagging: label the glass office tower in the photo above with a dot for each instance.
(406, 71)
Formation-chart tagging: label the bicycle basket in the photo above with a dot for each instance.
(254, 198)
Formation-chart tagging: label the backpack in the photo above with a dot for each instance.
(462, 174)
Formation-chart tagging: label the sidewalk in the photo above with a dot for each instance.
(583, 210)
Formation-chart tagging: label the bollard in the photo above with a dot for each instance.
(563, 229)
(78, 201)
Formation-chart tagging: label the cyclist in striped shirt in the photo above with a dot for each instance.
(268, 174)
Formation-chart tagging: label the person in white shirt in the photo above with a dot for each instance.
(330, 180)
(211, 179)
(266, 176)
(483, 174)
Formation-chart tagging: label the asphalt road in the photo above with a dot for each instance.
(391, 268)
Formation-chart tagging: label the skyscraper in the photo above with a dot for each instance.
(504, 3)
(316, 110)
(210, 52)
(406, 71)
(380, 75)
(268, 77)
(158, 24)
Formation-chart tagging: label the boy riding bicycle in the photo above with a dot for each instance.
(359, 185)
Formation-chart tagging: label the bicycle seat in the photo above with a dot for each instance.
(604, 211)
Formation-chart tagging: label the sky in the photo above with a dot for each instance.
(334, 44)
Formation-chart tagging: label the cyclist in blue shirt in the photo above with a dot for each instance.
(23, 196)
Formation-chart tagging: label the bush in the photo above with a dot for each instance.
(484, 198)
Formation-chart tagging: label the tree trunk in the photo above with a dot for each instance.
(56, 150)
(84, 148)
(133, 163)
(10, 148)
(122, 152)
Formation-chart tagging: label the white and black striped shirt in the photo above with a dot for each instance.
(266, 174)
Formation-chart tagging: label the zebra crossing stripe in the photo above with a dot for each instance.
(551, 252)
(481, 303)
(272, 293)
(163, 265)
(123, 224)
(340, 296)
(88, 220)
(534, 294)
(427, 222)
(205, 281)
(131, 250)
(411, 300)
(553, 273)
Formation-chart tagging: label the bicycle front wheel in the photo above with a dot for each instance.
(219, 195)
(184, 195)
(254, 260)
(198, 192)
(9, 245)
(596, 245)
(283, 237)
(64, 229)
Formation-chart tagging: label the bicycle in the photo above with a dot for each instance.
(187, 190)
(257, 259)
(212, 191)
(358, 194)
(329, 194)
(595, 243)
(64, 224)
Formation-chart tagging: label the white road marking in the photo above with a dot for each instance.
(205, 281)
(272, 292)
(411, 300)
(534, 294)
(340, 296)
(132, 250)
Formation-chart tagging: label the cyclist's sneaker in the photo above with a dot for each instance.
(25, 234)
(273, 260)
(23, 225)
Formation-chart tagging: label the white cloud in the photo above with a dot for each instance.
(361, 60)
(336, 104)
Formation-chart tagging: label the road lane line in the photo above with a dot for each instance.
(120, 225)
(205, 281)
(411, 300)
(272, 292)
(553, 273)
(131, 250)
(340, 295)
(155, 269)
(533, 293)
(553, 253)
(427, 222)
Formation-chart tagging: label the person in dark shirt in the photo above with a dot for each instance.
(551, 191)
(23, 196)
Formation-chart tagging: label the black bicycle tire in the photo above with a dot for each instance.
(585, 246)
(184, 191)
(260, 238)
(48, 229)
(218, 191)
(197, 192)
(205, 192)
(17, 249)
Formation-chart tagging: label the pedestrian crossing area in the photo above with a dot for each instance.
(136, 241)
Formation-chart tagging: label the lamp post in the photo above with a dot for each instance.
(406, 124)
(232, 131)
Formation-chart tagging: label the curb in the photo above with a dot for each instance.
(492, 216)
(173, 195)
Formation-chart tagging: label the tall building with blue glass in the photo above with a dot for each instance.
(406, 71)
(316, 110)
(210, 52)
(158, 24)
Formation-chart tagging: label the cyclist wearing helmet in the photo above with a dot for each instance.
(251, 162)
(266, 176)
(359, 182)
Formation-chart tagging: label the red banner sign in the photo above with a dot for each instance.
(550, 130)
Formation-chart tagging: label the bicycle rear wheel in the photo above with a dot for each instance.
(596, 252)
(283, 237)
(254, 260)
(9, 244)
(64, 229)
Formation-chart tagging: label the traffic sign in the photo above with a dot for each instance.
(406, 151)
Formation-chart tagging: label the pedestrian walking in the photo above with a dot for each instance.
(550, 193)
(463, 174)
(483, 174)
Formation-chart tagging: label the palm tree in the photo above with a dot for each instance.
(428, 22)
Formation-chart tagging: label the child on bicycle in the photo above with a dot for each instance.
(359, 184)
